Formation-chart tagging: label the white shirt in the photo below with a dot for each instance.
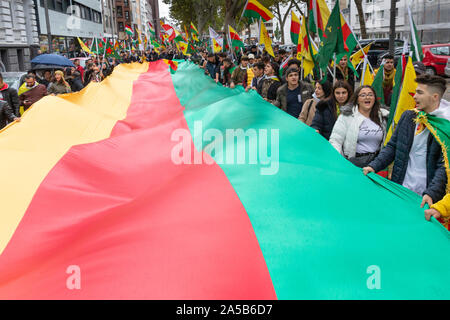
(370, 137)
(416, 172)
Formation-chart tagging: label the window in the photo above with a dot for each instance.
(127, 15)
(381, 14)
(88, 13)
(125, 3)
(59, 6)
(369, 1)
(368, 15)
(396, 12)
(441, 51)
(121, 26)
(119, 12)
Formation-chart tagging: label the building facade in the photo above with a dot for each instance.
(432, 19)
(68, 19)
(19, 39)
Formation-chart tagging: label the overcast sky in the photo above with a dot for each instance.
(164, 12)
(163, 9)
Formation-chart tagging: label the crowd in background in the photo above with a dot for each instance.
(351, 117)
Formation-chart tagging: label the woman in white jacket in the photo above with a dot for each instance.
(360, 130)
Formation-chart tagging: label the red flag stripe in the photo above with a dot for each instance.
(137, 225)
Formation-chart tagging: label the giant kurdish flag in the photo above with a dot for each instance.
(92, 186)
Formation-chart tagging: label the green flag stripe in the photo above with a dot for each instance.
(323, 226)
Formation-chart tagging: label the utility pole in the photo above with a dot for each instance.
(392, 28)
(47, 23)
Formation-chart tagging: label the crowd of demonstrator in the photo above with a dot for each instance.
(350, 117)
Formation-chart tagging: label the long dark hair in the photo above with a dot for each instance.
(326, 87)
(374, 113)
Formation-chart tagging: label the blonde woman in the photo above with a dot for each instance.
(59, 85)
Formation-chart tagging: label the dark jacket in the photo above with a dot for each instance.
(306, 91)
(75, 81)
(11, 97)
(350, 80)
(213, 69)
(32, 95)
(325, 117)
(6, 114)
(268, 87)
(398, 149)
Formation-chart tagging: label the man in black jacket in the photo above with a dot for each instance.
(417, 156)
(6, 114)
(10, 96)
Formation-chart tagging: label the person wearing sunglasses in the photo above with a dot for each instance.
(359, 132)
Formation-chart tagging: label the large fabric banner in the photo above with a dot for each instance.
(153, 185)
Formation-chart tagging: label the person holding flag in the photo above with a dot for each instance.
(292, 95)
(343, 72)
(238, 75)
(359, 131)
(388, 77)
(417, 155)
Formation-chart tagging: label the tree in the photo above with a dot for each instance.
(199, 12)
(362, 22)
(282, 18)
(277, 32)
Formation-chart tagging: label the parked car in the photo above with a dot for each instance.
(397, 55)
(435, 57)
(378, 47)
(14, 79)
(447, 68)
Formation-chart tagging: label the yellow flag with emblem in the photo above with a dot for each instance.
(265, 39)
(84, 46)
(359, 55)
(406, 98)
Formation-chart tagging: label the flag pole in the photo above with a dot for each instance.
(413, 34)
(359, 44)
(334, 69)
(242, 14)
(364, 73)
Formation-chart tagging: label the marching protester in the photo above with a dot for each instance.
(388, 77)
(30, 92)
(258, 77)
(212, 67)
(271, 82)
(359, 131)
(59, 85)
(240, 72)
(328, 110)
(6, 114)
(9, 95)
(73, 77)
(322, 91)
(79, 68)
(228, 67)
(417, 156)
(292, 95)
(343, 72)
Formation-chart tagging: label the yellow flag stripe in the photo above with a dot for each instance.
(32, 147)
